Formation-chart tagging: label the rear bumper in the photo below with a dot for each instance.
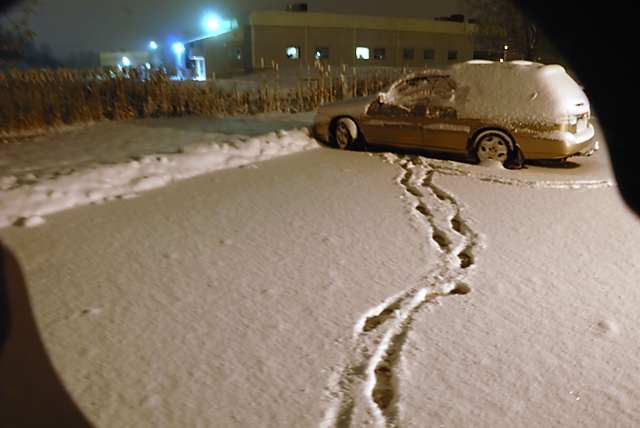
(591, 149)
(558, 145)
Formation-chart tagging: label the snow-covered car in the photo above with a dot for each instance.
(490, 110)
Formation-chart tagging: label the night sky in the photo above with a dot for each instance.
(103, 25)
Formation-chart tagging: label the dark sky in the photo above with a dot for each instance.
(102, 25)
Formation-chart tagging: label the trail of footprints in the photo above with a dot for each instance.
(442, 223)
(367, 388)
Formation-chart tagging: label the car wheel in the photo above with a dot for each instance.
(496, 146)
(346, 134)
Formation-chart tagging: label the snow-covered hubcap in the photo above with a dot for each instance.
(493, 147)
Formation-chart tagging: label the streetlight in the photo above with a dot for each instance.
(153, 45)
(213, 24)
(178, 48)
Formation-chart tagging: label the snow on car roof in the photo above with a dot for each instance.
(504, 92)
(516, 91)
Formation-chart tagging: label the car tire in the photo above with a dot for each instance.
(497, 145)
(346, 134)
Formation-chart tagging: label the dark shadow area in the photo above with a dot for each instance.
(553, 163)
(467, 159)
(464, 158)
(613, 89)
(31, 393)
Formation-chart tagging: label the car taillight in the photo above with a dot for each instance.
(575, 123)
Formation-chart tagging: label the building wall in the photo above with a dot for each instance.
(340, 42)
(224, 55)
(264, 37)
(271, 43)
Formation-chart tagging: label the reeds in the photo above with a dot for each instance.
(33, 100)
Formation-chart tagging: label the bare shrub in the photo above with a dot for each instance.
(38, 99)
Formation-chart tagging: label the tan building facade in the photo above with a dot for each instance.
(262, 39)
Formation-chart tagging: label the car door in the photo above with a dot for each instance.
(397, 116)
(443, 130)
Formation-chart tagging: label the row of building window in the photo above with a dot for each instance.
(322, 52)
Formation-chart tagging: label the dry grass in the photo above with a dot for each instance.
(34, 100)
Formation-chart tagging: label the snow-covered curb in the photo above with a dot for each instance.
(26, 205)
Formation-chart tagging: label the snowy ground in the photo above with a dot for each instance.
(322, 288)
(95, 163)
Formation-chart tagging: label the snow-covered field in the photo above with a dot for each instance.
(100, 162)
(203, 279)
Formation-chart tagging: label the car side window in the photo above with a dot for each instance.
(441, 100)
(413, 92)
(392, 110)
(409, 98)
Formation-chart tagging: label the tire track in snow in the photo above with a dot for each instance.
(366, 389)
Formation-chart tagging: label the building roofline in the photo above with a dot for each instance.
(267, 18)
(332, 20)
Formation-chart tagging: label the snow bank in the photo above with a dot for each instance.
(76, 178)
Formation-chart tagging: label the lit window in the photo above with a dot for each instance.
(362, 53)
(429, 54)
(293, 52)
(452, 55)
(379, 53)
(322, 52)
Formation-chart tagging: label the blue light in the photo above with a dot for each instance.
(213, 24)
(178, 48)
(153, 45)
(125, 61)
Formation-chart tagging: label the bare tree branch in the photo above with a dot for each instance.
(14, 30)
(522, 33)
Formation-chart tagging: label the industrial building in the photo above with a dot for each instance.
(262, 39)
